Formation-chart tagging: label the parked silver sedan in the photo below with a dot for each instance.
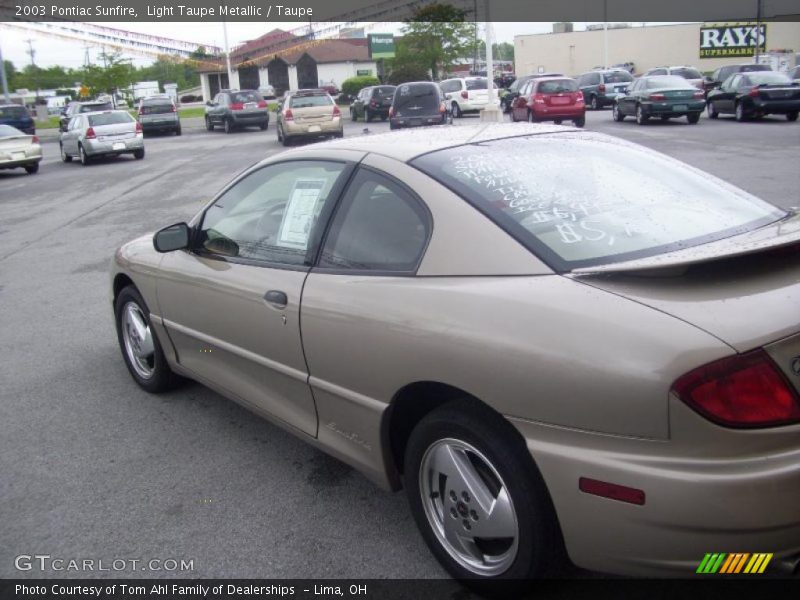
(19, 150)
(550, 338)
(107, 133)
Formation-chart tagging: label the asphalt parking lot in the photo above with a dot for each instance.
(93, 467)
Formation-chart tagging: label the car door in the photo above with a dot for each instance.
(519, 105)
(218, 109)
(724, 99)
(627, 103)
(231, 303)
(70, 137)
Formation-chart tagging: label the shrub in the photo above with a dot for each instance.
(354, 85)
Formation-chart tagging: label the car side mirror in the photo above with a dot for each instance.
(209, 103)
(174, 237)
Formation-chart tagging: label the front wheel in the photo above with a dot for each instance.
(353, 115)
(792, 116)
(455, 110)
(693, 118)
(478, 498)
(617, 113)
(83, 156)
(209, 125)
(64, 156)
(593, 104)
(532, 118)
(140, 347)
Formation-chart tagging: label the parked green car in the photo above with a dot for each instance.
(663, 96)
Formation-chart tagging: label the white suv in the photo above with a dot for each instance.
(465, 94)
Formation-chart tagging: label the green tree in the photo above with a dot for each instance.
(11, 74)
(116, 73)
(501, 51)
(434, 37)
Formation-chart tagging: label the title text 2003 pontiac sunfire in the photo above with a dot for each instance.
(545, 335)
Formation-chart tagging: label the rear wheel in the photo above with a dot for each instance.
(32, 168)
(367, 115)
(178, 131)
(580, 122)
(455, 110)
(138, 154)
(83, 156)
(792, 116)
(641, 118)
(353, 114)
(263, 126)
(531, 117)
(693, 118)
(64, 156)
(478, 498)
(617, 113)
(713, 113)
(209, 124)
(228, 126)
(593, 104)
(740, 114)
(557, 121)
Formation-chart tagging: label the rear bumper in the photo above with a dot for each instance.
(559, 112)
(418, 121)
(97, 147)
(160, 125)
(780, 107)
(250, 118)
(695, 503)
(667, 109)
(13, 164)
(472, 105)
(332, 127)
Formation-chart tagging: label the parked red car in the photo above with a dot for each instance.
(550, 99)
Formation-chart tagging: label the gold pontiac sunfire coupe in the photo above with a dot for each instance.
(550, 338)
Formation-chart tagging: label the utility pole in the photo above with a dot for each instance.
(227, 55)
(3, 77)
(605, 34)
(86, 60)
(757, 53)
(32, 53)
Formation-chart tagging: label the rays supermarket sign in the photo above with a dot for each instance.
(738, 39)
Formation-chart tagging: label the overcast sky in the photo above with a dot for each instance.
(51, 51)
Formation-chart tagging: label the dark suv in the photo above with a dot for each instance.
(418, 103)
(17, 116)
(371, 102)
(233, 109)
(158, 113)
(601, 88)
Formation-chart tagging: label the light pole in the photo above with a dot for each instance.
(491, 112)
(605, 34)
(3, 77)
(758, 31)
(227, 54)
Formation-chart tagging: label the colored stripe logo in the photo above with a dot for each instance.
(734, 564)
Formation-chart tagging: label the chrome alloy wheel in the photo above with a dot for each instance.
(138, 340)
(468, 507)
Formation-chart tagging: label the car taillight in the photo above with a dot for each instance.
(746, 390)
(142, 111)
(336, 111)
(373, 103)
(237, 106)
(578, 97)
(657, 97)
(35, 139)
(391, 112)
(262, 104)
(538, 98)
(698, 95)
(442, 108)
(288, 116)
(601, 88)
(753, 92)
(90, 135)
(174, 108)
(464, 95)
(138, 127)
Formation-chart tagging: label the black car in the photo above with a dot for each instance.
(755, 94)
(507, 99)
(76, 108)
(418, 103)
(721, 74)
(235, 109)
(371, 102)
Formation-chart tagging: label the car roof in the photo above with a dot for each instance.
(404, 145)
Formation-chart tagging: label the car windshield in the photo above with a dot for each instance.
(590, 200)
(667, 81)
(309, 101)
(9, 131)
(618, 77)
(557, 86)
(421, 95)
(95, 107)
(477, 84)
(244, 97)
(687, 73)
(110, 118)
(768, 78)
(13, 112)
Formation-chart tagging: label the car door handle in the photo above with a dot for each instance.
(277, 298)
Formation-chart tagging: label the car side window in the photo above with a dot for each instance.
(380, 226)
(270, 215)
(733, 83)
(745, 81)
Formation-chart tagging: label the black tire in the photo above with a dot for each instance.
(367, 115)
(286, 140)
(593, 104)
(227, 126)
(740, 114)
(392, 125)
(557, 121)
(792, 116)
(693, 118)
(580, 122)
(353, 116)
(617, 113)
(264, 126)
(162, 378)
(32, 168)
(138, 154)
(85, 160)
(64, 156)
(209, 125)
(713, 113)
(641, 117)
(538, 536)
(531, 117)
(178, 131)
(455, 110)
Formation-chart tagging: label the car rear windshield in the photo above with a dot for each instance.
(477, 84)
(422, 95)
(687, 73)
(309, 101)
(769, 78)
(13, 112)
(618, 77)
(667, 81)
(156, 106)
(557, 86)
(244, 97)
(110, 118)
(580, 200)
(96, 107)
(384, 90)
(754, 68)
(9, 131)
